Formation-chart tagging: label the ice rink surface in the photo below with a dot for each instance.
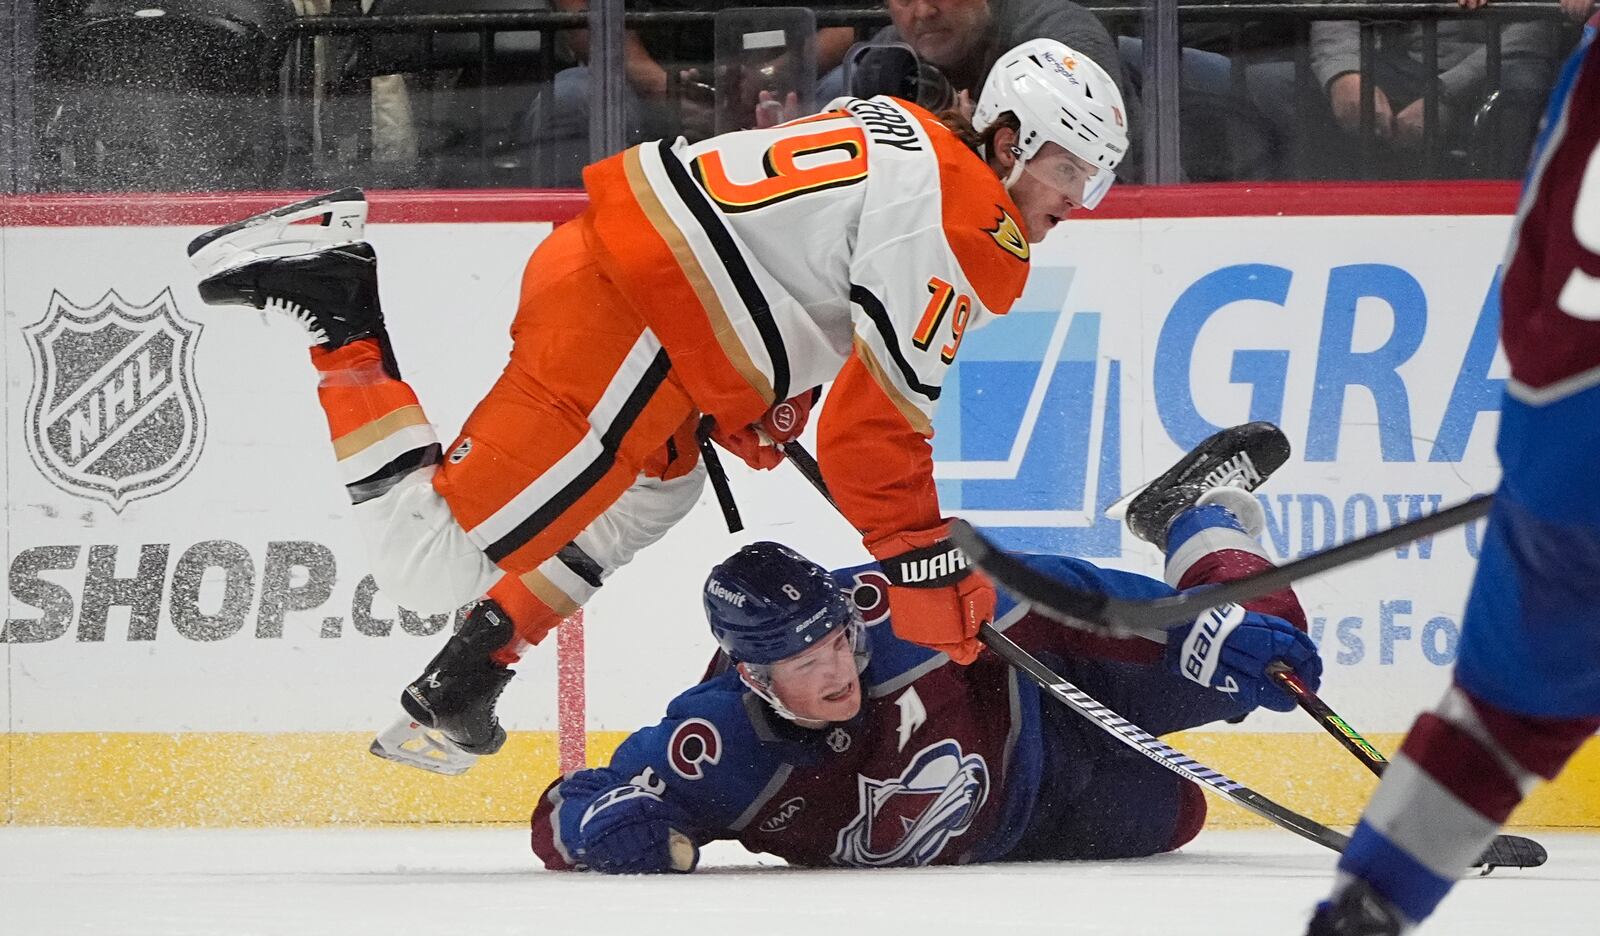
(479, 881)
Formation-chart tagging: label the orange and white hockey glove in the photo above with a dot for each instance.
(757, 444)
(936, 598)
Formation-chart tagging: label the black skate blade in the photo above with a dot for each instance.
(1511, 851)
(347, 194)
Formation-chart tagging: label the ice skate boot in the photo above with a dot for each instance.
(1223, 469)
(1357, 910)
(450, 707)
(323, 274)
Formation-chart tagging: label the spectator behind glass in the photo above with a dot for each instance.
(1528, 52)
(963, 38)
(668, 88)
(1226, 134)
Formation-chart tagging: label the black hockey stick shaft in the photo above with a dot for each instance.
(1328, 718)
(1076, 606)
(1509, 851)
(809, 469)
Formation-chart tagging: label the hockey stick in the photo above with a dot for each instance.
(809, 469)
(1154, 748)
(1327, 718)
(1121, 616)
(1507, 851)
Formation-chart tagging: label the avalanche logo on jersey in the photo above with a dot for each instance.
(1008, 234)
(114, 413)
(695, 742)
(869, 590)
(907, 821)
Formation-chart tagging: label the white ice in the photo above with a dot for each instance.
(479, 881)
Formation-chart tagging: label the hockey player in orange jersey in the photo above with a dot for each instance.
(726, 278)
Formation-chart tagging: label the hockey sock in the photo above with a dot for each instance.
(380, 434)
(1207, 545)
(1462, 770)
(531, 618)
(1191, 816)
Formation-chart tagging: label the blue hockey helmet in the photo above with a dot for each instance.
(767, 603)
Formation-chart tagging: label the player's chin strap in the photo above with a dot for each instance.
(1017, 168)
(759, 681)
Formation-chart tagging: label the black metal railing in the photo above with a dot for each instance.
(313, 115)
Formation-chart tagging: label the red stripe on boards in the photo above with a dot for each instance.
(479, 206)
(490, 206)
(571, 705)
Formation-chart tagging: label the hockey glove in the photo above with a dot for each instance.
(757, 444)
(935, 598)
(1229, 650)
(626, 830)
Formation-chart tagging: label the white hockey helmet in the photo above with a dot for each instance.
(1063, 97)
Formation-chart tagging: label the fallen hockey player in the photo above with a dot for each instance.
(823, 738)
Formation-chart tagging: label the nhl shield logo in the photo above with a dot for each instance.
(114, 413)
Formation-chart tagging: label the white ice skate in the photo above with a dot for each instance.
(414, 744)
(283, 232)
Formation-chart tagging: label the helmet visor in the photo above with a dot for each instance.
(1082, 182)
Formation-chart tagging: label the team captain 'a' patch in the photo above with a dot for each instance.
(1008, 234)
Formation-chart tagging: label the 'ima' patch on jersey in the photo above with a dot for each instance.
(1008, 234)
(693, 743)
(780, 820)
(907, 821)
(114, 413)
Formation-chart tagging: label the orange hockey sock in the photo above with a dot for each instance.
(532, 618)
(355, 390)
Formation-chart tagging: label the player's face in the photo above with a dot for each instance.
(820, 684)
(943, 32)
(1051, 185)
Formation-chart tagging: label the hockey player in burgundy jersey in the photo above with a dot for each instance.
(1527, 683)
(830, 741)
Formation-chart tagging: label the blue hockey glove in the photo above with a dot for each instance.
(626, 830)
(1229, 650)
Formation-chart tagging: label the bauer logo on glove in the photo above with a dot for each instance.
(1234, 651)
(1203, 646)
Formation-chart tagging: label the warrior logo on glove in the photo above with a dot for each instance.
(937, 565)
(786, 418)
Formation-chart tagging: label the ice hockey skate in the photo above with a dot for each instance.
(450, 718)
(323, 273)
(1358, 910)
(1223, 469)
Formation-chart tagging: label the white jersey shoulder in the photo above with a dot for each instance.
(832, 228)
